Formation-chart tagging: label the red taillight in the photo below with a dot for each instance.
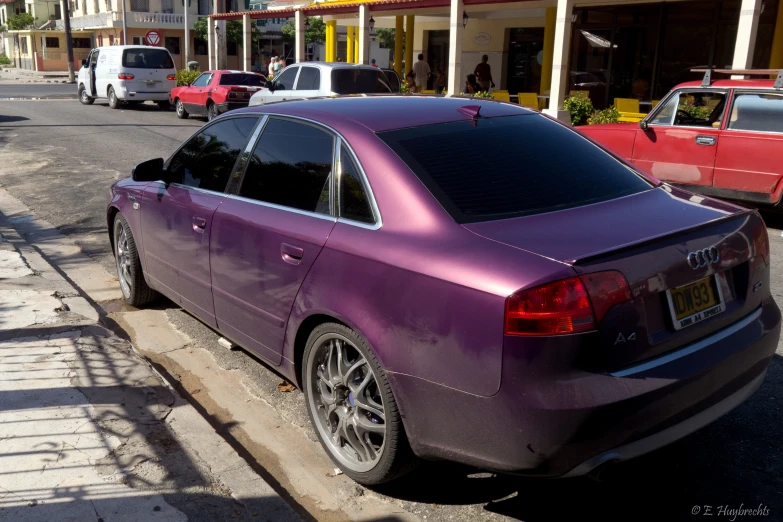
(125, 76)
(569, 306)
(171, 77)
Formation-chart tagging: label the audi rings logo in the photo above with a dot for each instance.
(703, 258)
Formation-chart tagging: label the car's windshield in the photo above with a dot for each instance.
(500, 168)
(143, 58)
(359, 81)
(250, 80)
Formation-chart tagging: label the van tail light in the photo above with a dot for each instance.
(568, 306)
(122, 76)
(171, 77)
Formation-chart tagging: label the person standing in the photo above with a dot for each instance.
(422, 71)
(372, 62)
(272, 67)
(471, 85)
(277, 66)
(483, 74)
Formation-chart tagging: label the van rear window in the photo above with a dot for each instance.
(142, 58)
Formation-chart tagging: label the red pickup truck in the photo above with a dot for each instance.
(719, 138)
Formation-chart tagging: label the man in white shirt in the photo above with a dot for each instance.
(422, 71)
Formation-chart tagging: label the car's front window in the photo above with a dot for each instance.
(692, 108)
(286, 80)
(497, 168)
(202, 80)
(207, 159)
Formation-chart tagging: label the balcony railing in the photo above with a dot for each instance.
(93, 21)
(160, 18)
(114, 19)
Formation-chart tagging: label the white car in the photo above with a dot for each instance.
(127, 74)
(313, 79)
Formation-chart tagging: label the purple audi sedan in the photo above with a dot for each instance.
(455, 279)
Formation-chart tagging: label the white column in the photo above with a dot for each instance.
(557, 90)
(247, 44)
(364, 35)
(210, 43)
(455, 80)
(299, 20)
(746, 35)
(185, 10)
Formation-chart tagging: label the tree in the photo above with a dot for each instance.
(233, 32)
(316, 34)
(385, 37)
(21, 21)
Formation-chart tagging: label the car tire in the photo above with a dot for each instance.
(212, 112)
(164, 105)
(356, 389)
(114, 103)
(182, 114)
(134, 288)
(85, 98)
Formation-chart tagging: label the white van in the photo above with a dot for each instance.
(127, 74)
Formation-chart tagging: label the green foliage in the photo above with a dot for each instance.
(4, 60)
(233, 31)
(697, 112)
(316, 34)
(404, 88)
(21, 21)
(186, 76)
(483, 94)
(385, 37)
(580, 107)
(609, 115)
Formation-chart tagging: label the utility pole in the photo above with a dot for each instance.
(186, 3)
(124, 25)
(64, 7)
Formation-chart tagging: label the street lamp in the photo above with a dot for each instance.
(464, 19)
(372, 27)
(307, 24)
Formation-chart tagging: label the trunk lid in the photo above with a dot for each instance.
(648, 237)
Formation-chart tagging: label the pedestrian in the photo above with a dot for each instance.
(440, 82)
(372, 62)
(272, 67)
(422, 71)
(483, 74)
(471, 85)
(410, 81)
(277, 67)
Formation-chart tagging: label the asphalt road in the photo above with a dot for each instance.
(23, 90)
(60, 157)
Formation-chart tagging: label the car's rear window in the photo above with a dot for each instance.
(143, 58)
(359, 81)
(509, 167)
(251, 80)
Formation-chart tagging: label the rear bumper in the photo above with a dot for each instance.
(125, 94)
(550, 419)
(230, 106)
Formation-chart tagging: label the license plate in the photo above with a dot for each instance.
(695, 302)
(150, 82)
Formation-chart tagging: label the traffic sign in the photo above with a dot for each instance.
(153, 37)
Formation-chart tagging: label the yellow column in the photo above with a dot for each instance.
(350, 45)
(331, 41)
(409, 60)
(398, 30)
(328, 43)
(549, 48)
(776, 58)
(356, 48)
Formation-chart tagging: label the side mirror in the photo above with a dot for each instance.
(270, 84)
(150, 170)
(84, 63)
(187, 84)
(643, 125)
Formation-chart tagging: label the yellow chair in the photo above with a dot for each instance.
(501, 96)
(528, 99)
(425, 91)
(628, 109)
(582, 94)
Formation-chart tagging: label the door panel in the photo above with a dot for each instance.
(255, 271)
(684, 155)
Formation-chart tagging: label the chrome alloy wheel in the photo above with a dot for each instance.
(346, 403)
(123, 259)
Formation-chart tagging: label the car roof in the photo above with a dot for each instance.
(381, 113)
(731, 84)
(335, 65)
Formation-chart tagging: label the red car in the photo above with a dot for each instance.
(720, 138)
(216, 92)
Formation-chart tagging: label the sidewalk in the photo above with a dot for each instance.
(88, 430)
(35, 76)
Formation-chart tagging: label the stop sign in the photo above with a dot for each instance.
(153, 37)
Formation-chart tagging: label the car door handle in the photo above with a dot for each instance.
(705, 140)
(199, 224)
(291, 254)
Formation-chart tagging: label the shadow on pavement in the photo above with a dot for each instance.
(8, 119)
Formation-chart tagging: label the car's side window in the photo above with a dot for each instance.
(309, 79)
(286, 80)
(202, 80)
(760, 112)
(284, 172)
(206, 161)
(692, 109)
(353, 200)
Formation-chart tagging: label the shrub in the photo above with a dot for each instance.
(699, 113)
(580, 107)
(21, 21)
(608, 115)
(4, 60)
(186, 76)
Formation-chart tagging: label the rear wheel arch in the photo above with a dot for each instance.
(306, 327)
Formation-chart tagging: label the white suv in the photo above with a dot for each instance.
(313, 79)
(127, 73)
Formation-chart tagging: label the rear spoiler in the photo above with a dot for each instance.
(635, 244)
(707, 80)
